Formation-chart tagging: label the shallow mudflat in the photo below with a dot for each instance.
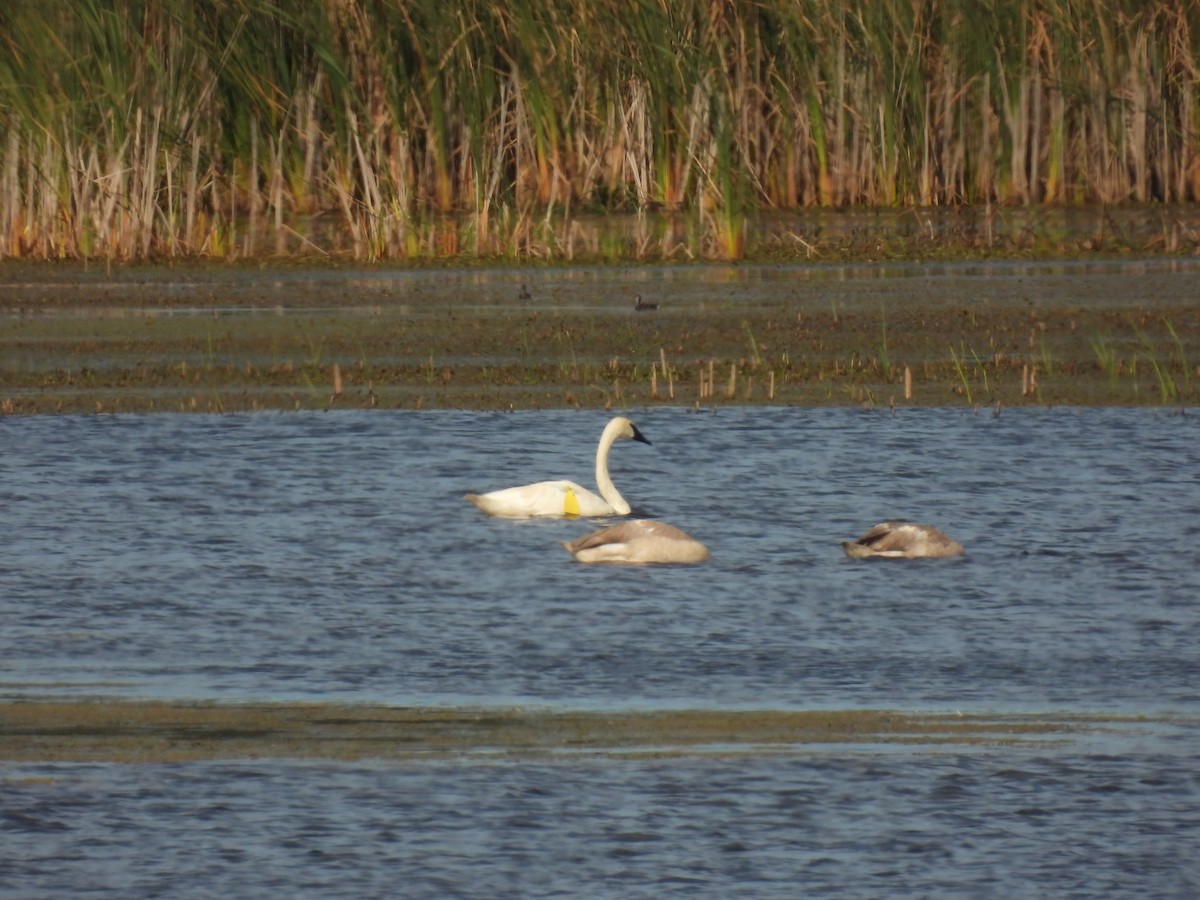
(223, 339)
(177, 732)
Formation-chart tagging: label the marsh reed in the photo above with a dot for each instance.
(134, 129)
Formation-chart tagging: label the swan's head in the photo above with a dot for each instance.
(621, 427)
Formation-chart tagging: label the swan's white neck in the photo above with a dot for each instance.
(604, 483)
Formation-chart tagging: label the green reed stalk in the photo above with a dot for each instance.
(1045, 354)
(1181, 356)
(885, 358)
(961, 371)
(979, 364)
(1167, 388)
(1106, 354)
(432, 126)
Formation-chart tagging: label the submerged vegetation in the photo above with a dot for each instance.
(135, 129)
(224, 338)
(132, 731)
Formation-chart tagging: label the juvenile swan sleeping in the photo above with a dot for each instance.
(639, 541)
(566, 498)
(903, 540)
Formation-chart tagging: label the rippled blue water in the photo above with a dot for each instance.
(331, 556)
(832, 825)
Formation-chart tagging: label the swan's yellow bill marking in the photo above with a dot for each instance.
(570, 503)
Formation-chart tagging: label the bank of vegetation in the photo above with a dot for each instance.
(133, 129)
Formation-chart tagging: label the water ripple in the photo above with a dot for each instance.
(331, 556)
(276, 556)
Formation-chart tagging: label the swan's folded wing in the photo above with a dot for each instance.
(629, 532)
(544, 498)
(887, 536)
(905, 539)
(892, 537)
(641, 540)
(605, 537)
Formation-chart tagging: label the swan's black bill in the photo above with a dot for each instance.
(637, 435)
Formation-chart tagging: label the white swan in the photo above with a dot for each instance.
(566, 498)
(903, 540)
(639, 541)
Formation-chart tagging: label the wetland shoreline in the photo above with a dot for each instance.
(148, 339)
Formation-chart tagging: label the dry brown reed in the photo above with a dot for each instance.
(161, 128)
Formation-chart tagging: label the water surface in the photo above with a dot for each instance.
(332, 557)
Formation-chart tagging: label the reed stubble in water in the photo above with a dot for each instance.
(180, 350)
